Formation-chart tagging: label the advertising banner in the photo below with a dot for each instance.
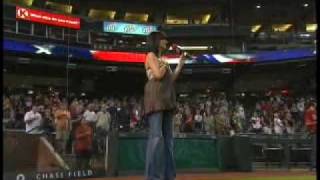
(47, 18)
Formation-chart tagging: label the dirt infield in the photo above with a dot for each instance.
(223, 175)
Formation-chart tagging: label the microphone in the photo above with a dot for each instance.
(178, 50)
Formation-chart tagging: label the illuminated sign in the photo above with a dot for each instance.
(47, 18)
(60, 51)
(128, 28)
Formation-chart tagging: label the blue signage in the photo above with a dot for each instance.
(47, 49)
(128, 28)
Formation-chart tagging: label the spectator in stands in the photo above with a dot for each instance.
(238, 117)
(188, 123)
(48, 121)
(278, 124)
(289, 127)
(133, 117)
(301, 109)
(102, 127)
(256, 123)
(242, 116)
(198, 121)
(310, 119)
(83, 144)
(33, 121)
(103, 119)
(80, 108)
(90, 116)
(19, 118)
(226, 116)
(177, 120)
(8, 113)
(266, 127)
(294, 112)
(96, 105)
(258, 107)
(114, 114)
(74, 110)
(62, 120)
(220, 124)
(124, 116)
(209, 121)
(28, 101)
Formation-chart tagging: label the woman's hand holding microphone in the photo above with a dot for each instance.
(183, 55)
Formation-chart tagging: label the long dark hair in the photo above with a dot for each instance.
(153, 41)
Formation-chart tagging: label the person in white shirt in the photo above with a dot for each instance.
(240, 115)
(198, 118)
(177, 121)
(103, 119)
(102, 127)
(301, 108)
(278, 125)
(300, 105)
(256, 123)
(33, 120)
(89, 115)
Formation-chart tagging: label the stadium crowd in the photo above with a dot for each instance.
(83, 123)
(214, 114)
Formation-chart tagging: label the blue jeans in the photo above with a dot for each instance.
(160, 162)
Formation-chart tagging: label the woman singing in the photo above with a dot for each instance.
(159, 103)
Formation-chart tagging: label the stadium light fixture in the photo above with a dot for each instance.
(102, 14)
(27, 2)
(258, 6)
(305, 5)
(206, 19)
(195, 48)
(281, 27)
(176, 20)
(256, 28)
(60, 7)
(140, 17)
(311, 27)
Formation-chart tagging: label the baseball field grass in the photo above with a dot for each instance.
(282, 178)
(256, 175)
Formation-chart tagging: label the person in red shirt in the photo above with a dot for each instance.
(83, 144)
(310, 118)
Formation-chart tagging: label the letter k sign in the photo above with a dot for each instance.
(44, 49)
